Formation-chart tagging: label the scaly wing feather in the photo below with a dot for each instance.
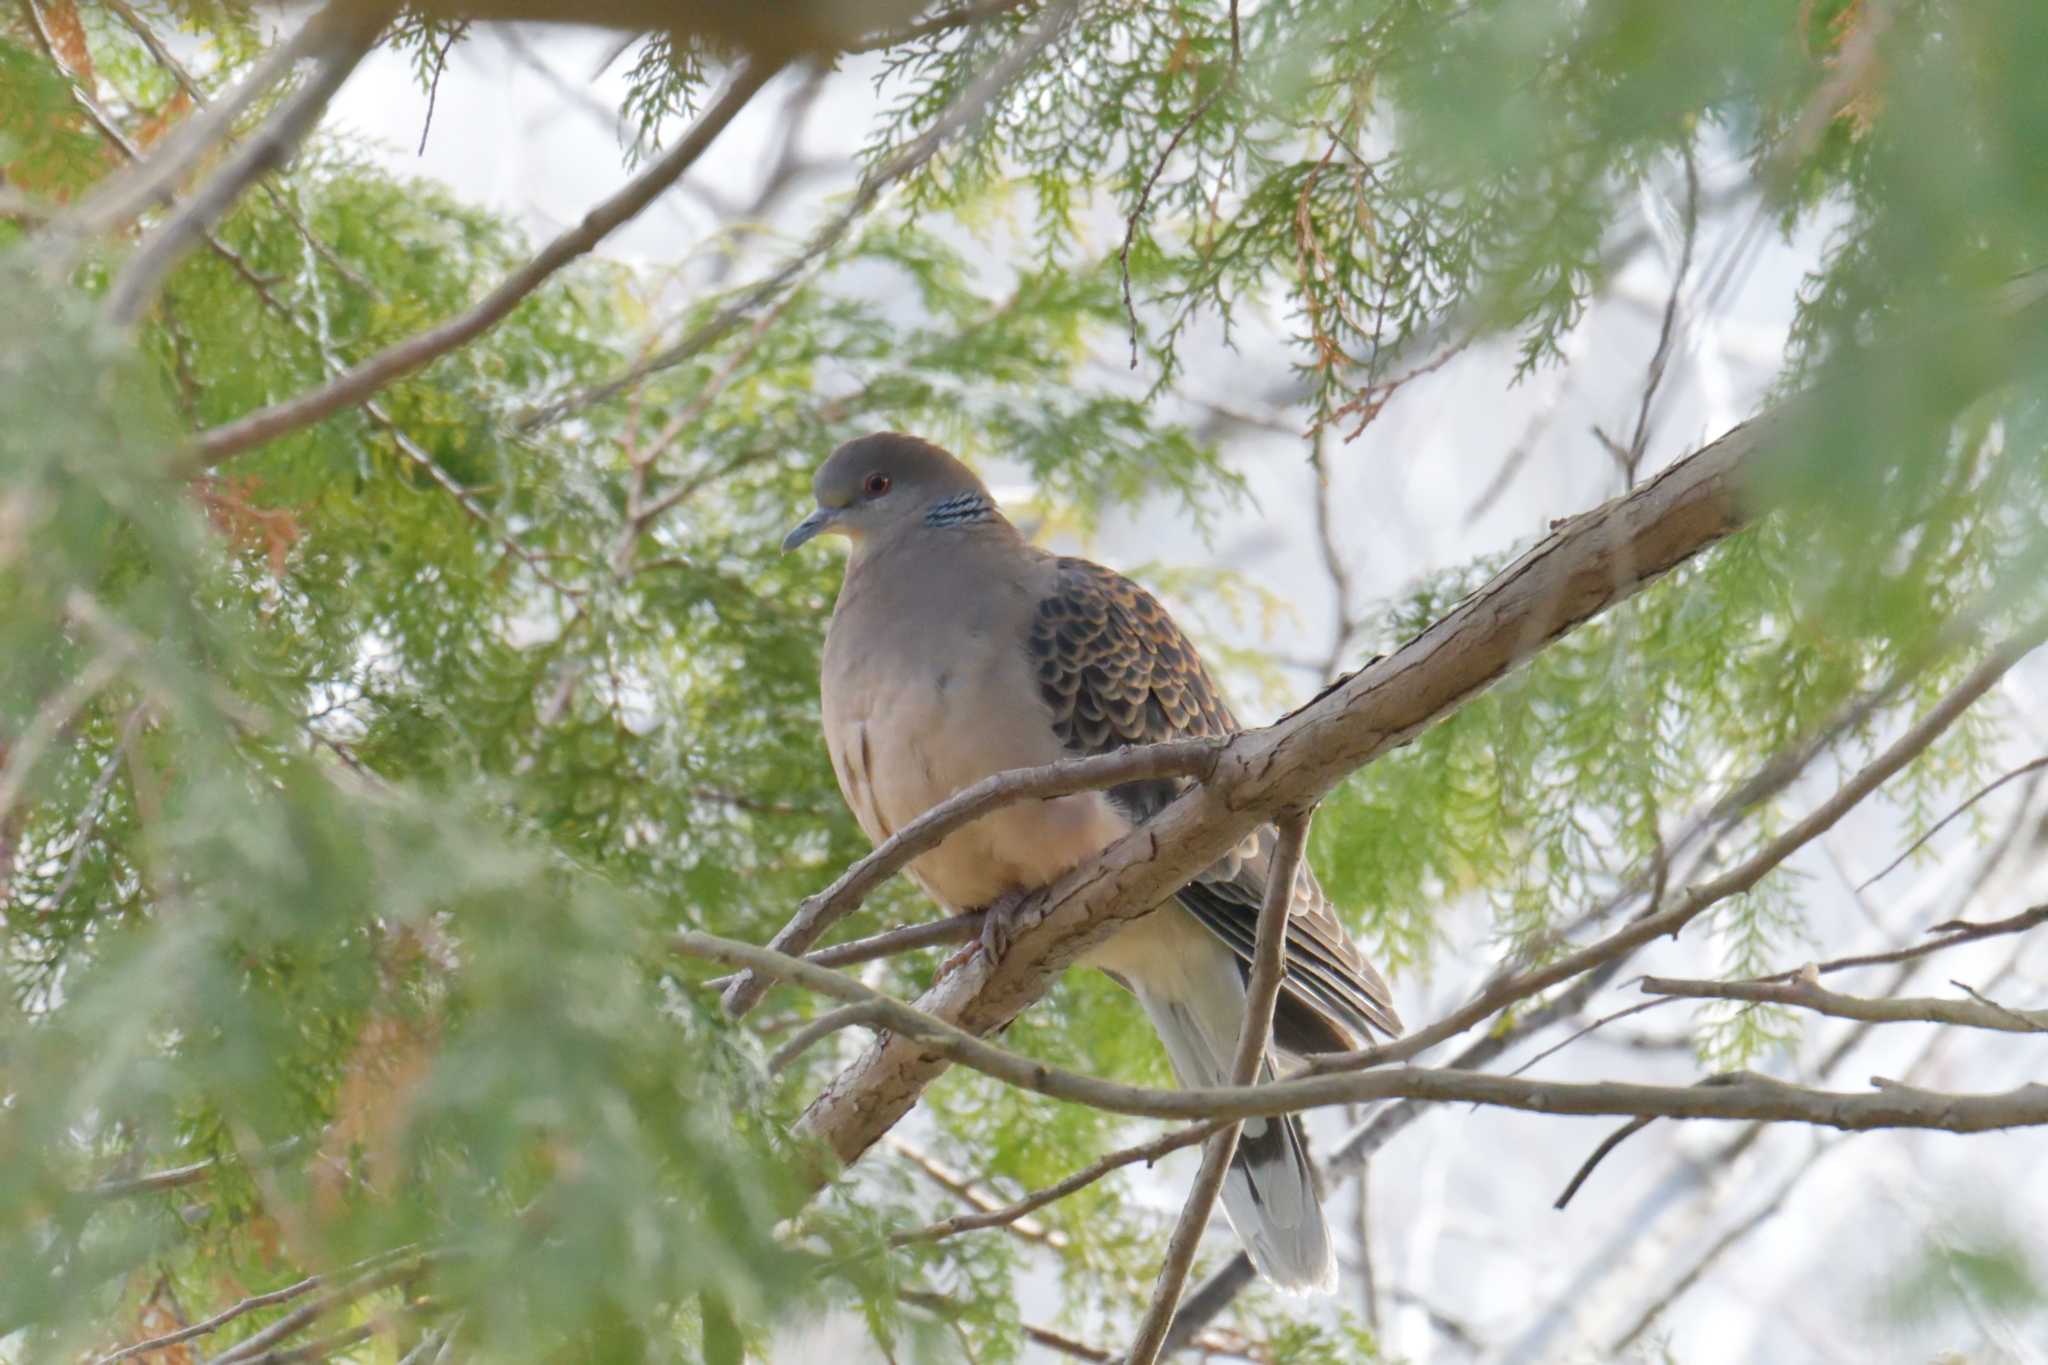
(1115, 670)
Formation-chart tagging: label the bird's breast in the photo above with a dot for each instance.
(908, 729)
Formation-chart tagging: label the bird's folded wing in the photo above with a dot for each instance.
(1117, 671)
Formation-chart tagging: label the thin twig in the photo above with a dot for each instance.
(1630, 457)
(911, 937)
(1147, 1152)
(250, 1305)
(965, 1190)
(252, 1347)
(266, 149)
(57, 712)
(1254, 1035)
(964, 112)
(1702, 897)
(2023, 1021)
(1177, 758)
(121, 197)
(821, 1028)
(217, 1321)
(2033, 767)
(1952, 933)
(1607, 1145)
(964, 17)
(1806, 993)
(161, 52)
(1137, 214)
(402, 358)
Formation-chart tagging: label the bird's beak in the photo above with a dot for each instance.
(808, 527)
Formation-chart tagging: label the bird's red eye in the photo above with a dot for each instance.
(877, 485)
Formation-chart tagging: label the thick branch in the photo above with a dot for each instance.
(1808, 995)
(397, 361)
(1569, 577)
(1177, 758)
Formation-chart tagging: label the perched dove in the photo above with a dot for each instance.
(958, 650)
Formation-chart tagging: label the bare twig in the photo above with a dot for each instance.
(2025, 768)
(19, 759)
(1600, 1154)
(1952, 933)
(2021, 1021)
(373, 1277)
(95, 803)
(396, 361)
(254, 1346)
(466, 500)
(964, 112)
(1772, 1204)
(1137, 213)
(1698, 899)
(161, 52)
(1806, 993)
(964, 17)
(352, 35)
(1147, 1152)
(1630, 457)
(1177, 758)
(821, 1028)
(968, 1193)
(911, 937)
(1254, 1035)
(1343, 623)
(217, 1321)
(121, 197)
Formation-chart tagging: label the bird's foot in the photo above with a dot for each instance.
(1002, 921)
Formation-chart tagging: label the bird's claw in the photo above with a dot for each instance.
(1001, 922)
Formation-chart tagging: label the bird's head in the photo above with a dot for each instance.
(877, 487)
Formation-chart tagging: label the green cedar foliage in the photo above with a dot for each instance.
(373, 768)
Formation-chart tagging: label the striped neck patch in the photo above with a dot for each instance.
(959, 510)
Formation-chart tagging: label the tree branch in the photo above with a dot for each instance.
(121, 197)
(347, 38)
(1698, 899)
(1147, 1152)
(963, 113)
(1741, 1096)
(394, 362)
(952, 929)
(1177, 758)
(1952, 933)
(1262, 993)
(2033, 766)
(1806, 993)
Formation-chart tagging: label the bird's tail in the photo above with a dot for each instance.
(1269, 1192)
